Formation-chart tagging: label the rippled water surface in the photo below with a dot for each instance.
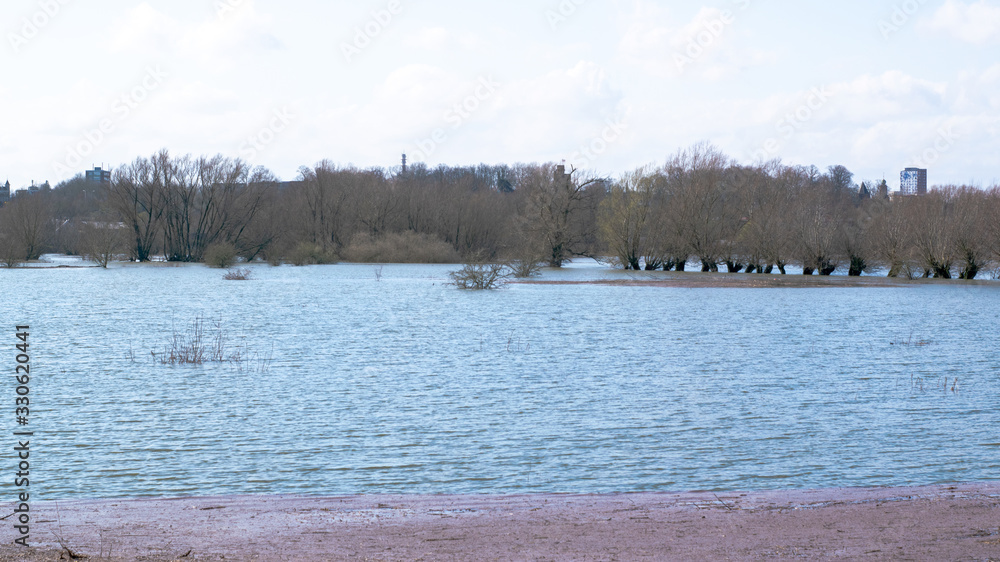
(409, 385)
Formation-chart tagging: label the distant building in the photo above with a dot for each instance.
(98, 175)
(4, 193)
(913, 181)
(283, 185)
(864, 192)
(561, 177)
(33, 188)
(883, 190)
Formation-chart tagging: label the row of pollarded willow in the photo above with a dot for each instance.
(702, 206)
(698, 206)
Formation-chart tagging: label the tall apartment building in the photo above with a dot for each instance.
(913, 181)
(97, 175)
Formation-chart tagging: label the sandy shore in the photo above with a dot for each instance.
(957, 522)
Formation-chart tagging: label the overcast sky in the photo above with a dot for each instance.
(874, 85)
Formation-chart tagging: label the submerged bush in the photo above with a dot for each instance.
(522, 269)
(481, 276)
(220, 254)
(307, 253)
(241, 274)
(10, 255)
(401, 247)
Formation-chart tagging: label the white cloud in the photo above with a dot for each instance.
(543, 117)
(441, 39)
(406, 106)
(978, 22)
(556, 88)
(706, 46)
(242, 32)
(564, 103)
(145, 30)
(431, 38)
(991, 75)
(890, 94)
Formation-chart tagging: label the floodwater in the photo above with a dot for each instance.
(356, 379)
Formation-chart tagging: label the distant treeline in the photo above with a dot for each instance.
(699, 207)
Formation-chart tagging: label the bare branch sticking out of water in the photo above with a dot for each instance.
(919, 342)
(239, 274)
(514, 343)
(200, 345)
(917, 384)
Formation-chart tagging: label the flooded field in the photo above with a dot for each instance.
(354, 379)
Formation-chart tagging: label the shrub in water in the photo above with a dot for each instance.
(522, 269)
(241, 274)
(306, 253)
(481, 276)
(220, 254)
(399, 247)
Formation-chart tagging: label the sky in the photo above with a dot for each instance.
(608, 86)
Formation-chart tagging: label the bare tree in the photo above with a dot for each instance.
(180, 178)
(840, 178)
(742, 185)
(704, 210)
(137, 195)
(661, 248)
(993, 222)
(11, 249)
(890, 237)
(766, 234)
(103, 241)
(264, 216)
(970, 221)
(377, 202)
(28, 224)
(209, 201)
(324, 191)
(817, 217)
(553, 208)
(622, 217)
(933, 236)
(855, 243)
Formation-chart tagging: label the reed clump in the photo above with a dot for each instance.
(213, 343)
(238, 274)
